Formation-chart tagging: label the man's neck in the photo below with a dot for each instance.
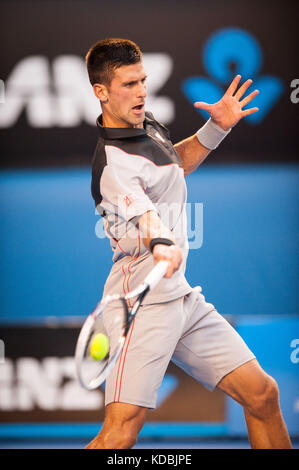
(108, 122)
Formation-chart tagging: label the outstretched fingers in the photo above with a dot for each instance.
(242, 89)
(248, 98)
(249, 111)
(233, 86)
(202, 105)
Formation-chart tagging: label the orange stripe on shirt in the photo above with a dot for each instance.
(122, 370)
(119, 362)
(128, 289)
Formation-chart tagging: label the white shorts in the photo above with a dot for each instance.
(188, 331)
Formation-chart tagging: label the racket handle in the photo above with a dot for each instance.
(156, 274)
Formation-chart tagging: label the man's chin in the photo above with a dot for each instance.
(138, 120)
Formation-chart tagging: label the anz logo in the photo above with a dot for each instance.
(228, 52)
(58, 93)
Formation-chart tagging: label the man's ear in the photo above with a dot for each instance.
(101, 92)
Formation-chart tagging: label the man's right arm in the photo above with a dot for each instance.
(151, 226)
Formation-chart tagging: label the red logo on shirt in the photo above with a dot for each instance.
(129, 199)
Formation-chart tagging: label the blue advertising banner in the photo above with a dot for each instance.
(192, 50)
(275, 342)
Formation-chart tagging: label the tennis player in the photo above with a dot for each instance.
(138, 175)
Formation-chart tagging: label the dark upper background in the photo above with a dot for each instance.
(177, 28)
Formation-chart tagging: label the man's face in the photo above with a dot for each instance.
(126, 97)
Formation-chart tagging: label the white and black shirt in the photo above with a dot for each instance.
(133, 171)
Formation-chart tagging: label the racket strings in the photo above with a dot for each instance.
(113, 318)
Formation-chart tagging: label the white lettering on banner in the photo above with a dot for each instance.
(295, 93)
(6, 385)
(159, 67)
(48, 384)
(59, 94)
(75, 101)
(27, 86)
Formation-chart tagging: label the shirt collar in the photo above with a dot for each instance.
(122, 132)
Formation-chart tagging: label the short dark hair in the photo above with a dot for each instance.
(109, 54)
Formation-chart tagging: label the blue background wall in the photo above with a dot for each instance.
(52, 262)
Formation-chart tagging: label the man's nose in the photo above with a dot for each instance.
(142, 90)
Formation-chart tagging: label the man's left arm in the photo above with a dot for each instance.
(224, 115)
(192, 153)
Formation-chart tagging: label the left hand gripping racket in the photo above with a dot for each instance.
(113, 317)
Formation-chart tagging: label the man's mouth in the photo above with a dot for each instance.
(138, 108)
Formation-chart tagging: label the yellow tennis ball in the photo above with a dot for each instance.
(99, 347)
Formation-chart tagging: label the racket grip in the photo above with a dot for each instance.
(156, 274)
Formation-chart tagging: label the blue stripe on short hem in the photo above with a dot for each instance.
(89, 430)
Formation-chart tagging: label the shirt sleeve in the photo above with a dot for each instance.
(123, 184)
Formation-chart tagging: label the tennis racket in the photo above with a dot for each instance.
(112, 317)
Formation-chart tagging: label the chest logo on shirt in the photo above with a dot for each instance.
(129, 198)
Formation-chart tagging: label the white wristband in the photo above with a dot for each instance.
(210, 135)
